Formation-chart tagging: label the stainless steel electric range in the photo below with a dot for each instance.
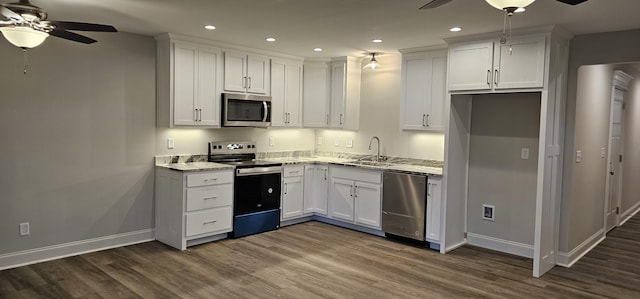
(256, 200)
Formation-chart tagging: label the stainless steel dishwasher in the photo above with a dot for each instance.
(404, 205)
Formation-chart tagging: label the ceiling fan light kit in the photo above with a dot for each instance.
(23, 37)
(509, 4)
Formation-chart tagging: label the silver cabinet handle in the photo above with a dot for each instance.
(496, 77)
(424, 120)
(292, 172)
(355, 190)
(351, 190)
(285, 188)
(428, 120)
(249, 85)
(266, 111)
(326, 119)
(244, 82)
(325, 174)
(209, 222)
(212, 179)
(341, 119)
(489, 77)
(428, 189)
(210, 198)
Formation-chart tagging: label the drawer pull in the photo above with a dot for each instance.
(292, 172)
(209, 222)
(213, 179)
(209, 198)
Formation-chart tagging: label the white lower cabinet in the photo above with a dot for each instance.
(316, 186)
(192, 206)
(355, 196)
(434, 202)
(292, 204)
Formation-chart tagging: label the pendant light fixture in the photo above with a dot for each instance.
(373, 63)
(509, 7)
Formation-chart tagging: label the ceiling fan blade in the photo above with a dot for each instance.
(83, 26)
(434, 4)
(10, 14)
(72, 36)
(572, 2)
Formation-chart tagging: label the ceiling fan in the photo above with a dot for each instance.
(26, 26)
(436, 3)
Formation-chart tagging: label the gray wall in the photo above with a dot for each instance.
(631, 150)
(501, 125)
(578, 213)
(78, 137)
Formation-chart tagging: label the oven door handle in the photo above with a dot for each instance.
(258, 171)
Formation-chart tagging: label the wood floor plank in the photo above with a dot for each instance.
(318, 260)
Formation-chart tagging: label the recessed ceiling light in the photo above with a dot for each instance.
(455, 29)
(520, 9)
(318, 49)
(270, 39)
(209, 27)
(376, 41)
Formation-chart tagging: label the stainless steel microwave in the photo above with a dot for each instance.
(246, 110)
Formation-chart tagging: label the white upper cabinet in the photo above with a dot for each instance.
(517, 64)
(423, 90)
(345, 93)
(316, 100)
(189, 82)
(246, 73)
(286, 93)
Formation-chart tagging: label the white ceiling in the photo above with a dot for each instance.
(341, 27)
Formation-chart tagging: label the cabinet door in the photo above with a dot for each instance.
(338, 94)
(316, 95)
(293, 93)
(434, 201)
(437, 92)
(341, 199)
(316, 186)
(184, 84)
(368, 204)
(234, 71)
(416, 76)
(470, 66)
(292, 201)
(520, 63)
(208, 99)
(257, 74)
(278, 102)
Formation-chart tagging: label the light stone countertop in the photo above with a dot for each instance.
(195, 166)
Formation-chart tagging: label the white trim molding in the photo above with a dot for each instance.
(520, 249)
(568, 259)
(621, 79)
(32, 256)
(628, 214)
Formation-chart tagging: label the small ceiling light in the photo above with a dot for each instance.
(210, 27)
(373, 63)
(270, 39)
(455, 29)
(318, 49)
(24, 37)
(376, 41)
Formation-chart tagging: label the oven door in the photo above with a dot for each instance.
(257, 189)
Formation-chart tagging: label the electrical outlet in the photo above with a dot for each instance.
(319, 141)
(524, 153)
(488, 212)
(171, 143)
(337, 142)
(578, 156)
(24, 229)
(349, 143)
(272, 142)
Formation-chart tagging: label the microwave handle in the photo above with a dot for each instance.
(266, 111)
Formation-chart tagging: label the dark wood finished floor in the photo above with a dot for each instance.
(316, 260)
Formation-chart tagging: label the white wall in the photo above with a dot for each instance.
(380, 116)
(78, 140)
(584, 130)
(501, 125)
(631, 151)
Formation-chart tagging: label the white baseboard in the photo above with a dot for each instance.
(520, 249)
(349, 225)
(454, 246)
(568, 259)
(628, 214)
(32, 256)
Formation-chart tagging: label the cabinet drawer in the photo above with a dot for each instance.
(291, 171)
(209, 197)
(356, 174)
(209, 178)
(209, 221)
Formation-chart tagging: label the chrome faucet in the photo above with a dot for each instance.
(378, 152)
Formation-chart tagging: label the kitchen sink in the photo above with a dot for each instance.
(371, 163)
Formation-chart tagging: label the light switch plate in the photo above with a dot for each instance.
(272, 142)
(337, 142)
(524, 153)
(578, 156)
(349, 143)
(171, 143)
(319, 141)
(603, 152)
